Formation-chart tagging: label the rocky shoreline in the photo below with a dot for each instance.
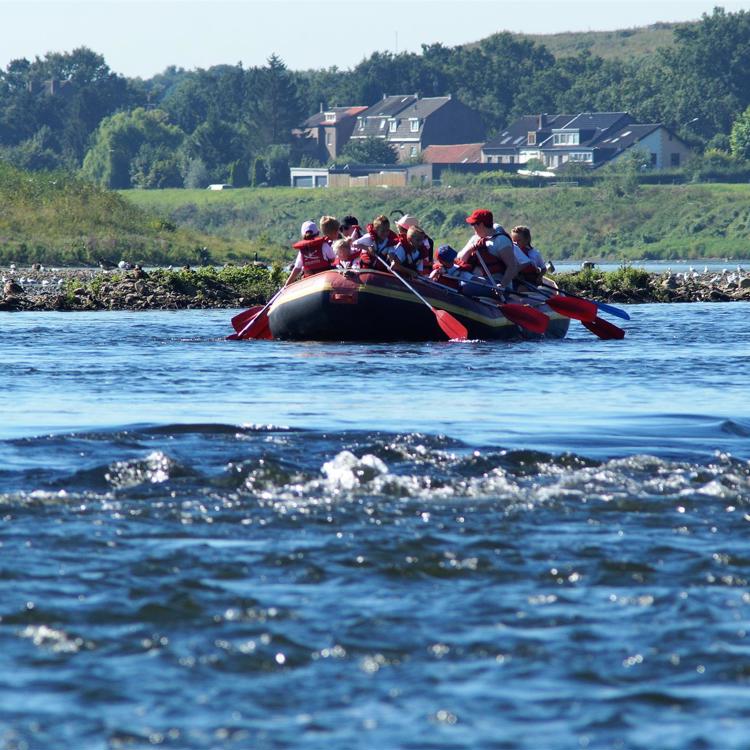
(64, 289)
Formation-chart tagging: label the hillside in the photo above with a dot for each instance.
(52, 217)
(665, 221)
(622, 44)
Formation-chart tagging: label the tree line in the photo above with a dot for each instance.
(233, 124)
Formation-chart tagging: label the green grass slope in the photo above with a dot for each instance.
(623, 44)
(603, 222)
(54, 218)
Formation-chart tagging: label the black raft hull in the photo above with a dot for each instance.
(375, 306)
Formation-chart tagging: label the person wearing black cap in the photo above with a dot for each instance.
(489, 253)
(350, 228)
(445, 271)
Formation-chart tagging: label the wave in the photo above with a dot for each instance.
(279, 467)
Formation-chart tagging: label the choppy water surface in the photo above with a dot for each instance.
(207, 544)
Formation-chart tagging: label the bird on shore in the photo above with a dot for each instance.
(12, 289)
(105, 264)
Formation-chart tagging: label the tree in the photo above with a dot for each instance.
(260, 173)
(145, 136)
(739, 138)
(277, 108)
(368, 151)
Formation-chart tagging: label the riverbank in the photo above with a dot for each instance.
(81, 289)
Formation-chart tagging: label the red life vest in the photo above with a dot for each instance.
(366, 260)
(412, 255)
(313, 260)
(529, 270)
(392, 239)
(494, 264)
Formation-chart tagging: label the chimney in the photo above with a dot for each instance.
(321, 107)
(541, 121)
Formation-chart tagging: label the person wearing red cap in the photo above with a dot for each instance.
(489, 252)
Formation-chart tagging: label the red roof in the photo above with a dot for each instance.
(461, 153)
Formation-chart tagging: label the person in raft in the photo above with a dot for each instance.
(314, 255)
(406, 257)
(445, 271)
(329, 228)
(346, 256)
(380, 231)
(404, 224)
(489, 250)
(350, 228)
(521, 236)
(368, 255)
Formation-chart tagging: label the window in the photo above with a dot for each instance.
(382, 124)
(674, 160)
(565, 139)
(329, 138)
(330, 117)
(361, 123)
(653, 159)
(392, 125)
(413, 151)
(413, 125)
(531, 138)
(581, 156)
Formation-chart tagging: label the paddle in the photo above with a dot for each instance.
(522, 315)
(603, 306)
(258, 327)
(604, 329)
(571, 307)
(525, 316)
(451, 327)
(240, 320)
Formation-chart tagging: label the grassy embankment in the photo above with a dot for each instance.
(54, 218)
(602, 222)
(624, 44)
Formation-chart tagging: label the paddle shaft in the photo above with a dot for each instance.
(603, 306)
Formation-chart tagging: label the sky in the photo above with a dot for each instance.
(139, 38)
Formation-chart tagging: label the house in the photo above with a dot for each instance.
(327, 132)
(461, 153)
(589, 138)
(411, 124)
(520, 141)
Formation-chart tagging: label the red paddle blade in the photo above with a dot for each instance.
(257, 328)
(604, 329)
(526, 317)
(452, 328)
(240, 320)
(572, 307)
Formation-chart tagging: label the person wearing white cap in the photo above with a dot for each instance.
(408, 222)
(314, 255)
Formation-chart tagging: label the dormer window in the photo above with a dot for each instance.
(330, 117)
(566, 139)
(531, 138)
(392, 125)
(413, 125)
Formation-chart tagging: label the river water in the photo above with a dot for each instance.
(212, 544)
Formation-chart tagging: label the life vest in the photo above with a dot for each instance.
(442, 277)
(494, 264)
(528, 269)
(313, 259)
(366, 260)
(412, 255)
(391, 240)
